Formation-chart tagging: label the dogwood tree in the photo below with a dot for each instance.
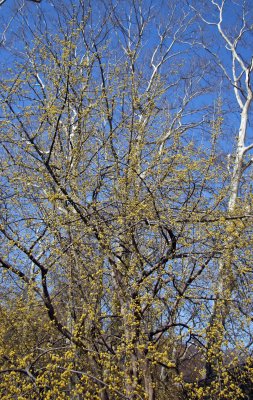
(125, 204)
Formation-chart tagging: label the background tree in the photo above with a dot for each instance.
(234, 41)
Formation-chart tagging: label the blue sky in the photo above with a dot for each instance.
(190, 60)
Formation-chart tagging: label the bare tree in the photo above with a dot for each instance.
(235, 62)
